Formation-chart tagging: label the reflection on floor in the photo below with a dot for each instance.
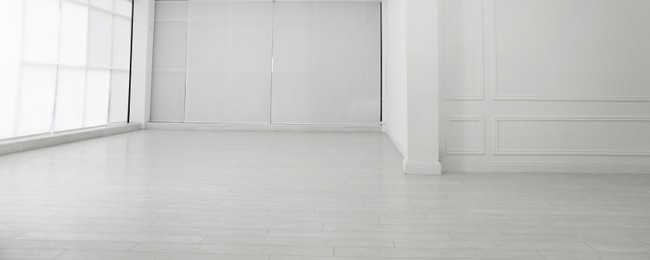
(220, 195)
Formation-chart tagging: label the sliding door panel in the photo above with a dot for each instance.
(37, 85)
(71, 74)
(169, 59)
(119, 106)
(36, 99)
(326, 63)
(98, 83)
(73, 36)
(229, 62)
(70, 98)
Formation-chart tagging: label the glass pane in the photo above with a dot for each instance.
(103, 4)
(74, 29)
(97, 97)
(99, 39)
(119, 96)
(41, 31)
(11, 14)
(70, 93)
(36, 100)
(123, 7)
(121, 43)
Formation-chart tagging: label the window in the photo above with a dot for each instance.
(64, 65)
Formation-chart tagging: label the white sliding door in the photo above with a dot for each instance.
(267, 63)
(326, 63)
(229, 62)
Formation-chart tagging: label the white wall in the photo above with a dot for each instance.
(546, 85)
(422, 87)
(411, 56)
(142, 55)
(394, 105)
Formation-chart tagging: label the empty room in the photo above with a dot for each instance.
(324, 129)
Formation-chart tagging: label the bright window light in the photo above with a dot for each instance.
(64, 65)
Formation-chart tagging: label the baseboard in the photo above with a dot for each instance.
(265, 128)
(42, 141)
(421, 168)
(545, 168)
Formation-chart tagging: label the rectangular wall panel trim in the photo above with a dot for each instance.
(574, 168)
(559, 93)
(449, 149)
(498, 96)
(500, 150)
(63, 68)
(444, 69)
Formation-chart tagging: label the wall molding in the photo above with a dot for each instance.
(495, 69)
(499, 151)
(450, 120)
(255, 127)
(171, 21)
(481, 45)
(41, 141)
(572, 168)
(421, 168)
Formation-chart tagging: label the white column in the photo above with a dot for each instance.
(411, 97)
(143, 29)
(422, 88)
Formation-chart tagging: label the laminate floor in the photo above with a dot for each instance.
(294, 196)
